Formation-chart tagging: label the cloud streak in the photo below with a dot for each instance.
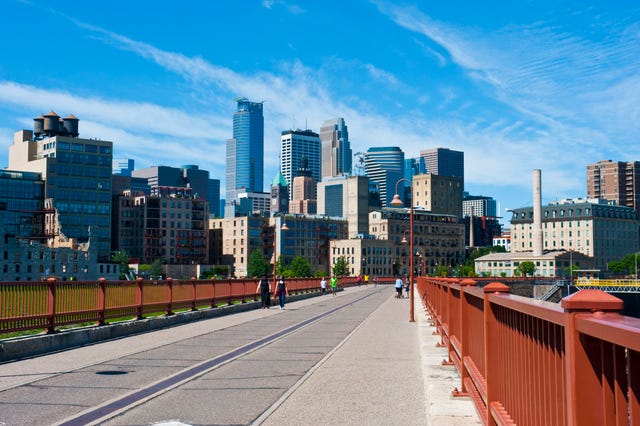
(543, 134)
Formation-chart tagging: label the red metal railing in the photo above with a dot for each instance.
(528, 362)
(50, 304)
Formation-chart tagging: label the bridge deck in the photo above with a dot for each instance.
(349, 359)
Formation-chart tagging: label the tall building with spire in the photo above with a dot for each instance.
(279, 194)
(336, 148)
(245, 153)
(303, 200)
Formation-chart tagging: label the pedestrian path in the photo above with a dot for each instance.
(360, 363)
(388, 371)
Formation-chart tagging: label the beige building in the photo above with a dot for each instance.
(549, 264)
(616, 181)
(365, 256)
(594, 228)
(346, 197)
(438, 194)
(304, 196)
(439, 240)
(242, 235)
(306, 236)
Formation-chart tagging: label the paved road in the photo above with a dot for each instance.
(349, 359)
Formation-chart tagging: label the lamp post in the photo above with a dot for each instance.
(420, 254)
(275, 256)
(397, 202)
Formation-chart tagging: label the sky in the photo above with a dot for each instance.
(516, 86)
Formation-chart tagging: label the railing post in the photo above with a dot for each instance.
(230, 288)
(464, 335)
(51, 306)
(139, 298)
(213, 292)
(493, 360)
(169, 296)
(244, 290)
(193, 294)
(102, 297)
(583, 378)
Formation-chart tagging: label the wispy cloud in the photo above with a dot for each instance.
(381, 75)
(291, 8)
(494, 149)
(542, 69)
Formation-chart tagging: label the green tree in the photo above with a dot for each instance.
(215, 272)
(155, 269)
(341, 268)
(281, 266)
(624, 266)
(526, 268)
(300, 267)
(257, 265)
(571, 269)
(442, 271)
(122, 259)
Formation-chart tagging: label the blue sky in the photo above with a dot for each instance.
(515, 85)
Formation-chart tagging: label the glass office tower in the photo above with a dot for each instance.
(385, 165)
(245, 152)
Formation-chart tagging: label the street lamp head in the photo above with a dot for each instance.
(396, 202)
(404, 240)
(284, 227)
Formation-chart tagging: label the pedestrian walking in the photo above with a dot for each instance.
(406, 286)
(281, 291)
(398, 288)
(375, 281)
(265, 290)
(359, 280)
(334, 284)
(323, 285)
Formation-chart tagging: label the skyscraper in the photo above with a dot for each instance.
(336, 149)
(245, 153)
(385, 165)
(296, 144)
(617, 181)
(444, 162)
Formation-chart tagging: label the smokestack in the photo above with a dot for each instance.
(471, 228)
(537, 213)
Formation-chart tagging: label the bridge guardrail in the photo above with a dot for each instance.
(524, 361)
(48, 305)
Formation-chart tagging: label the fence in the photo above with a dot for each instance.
(48, 305)
(530, 362)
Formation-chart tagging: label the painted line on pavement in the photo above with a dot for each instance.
(121, 404)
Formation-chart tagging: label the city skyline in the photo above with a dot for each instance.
(515, 87)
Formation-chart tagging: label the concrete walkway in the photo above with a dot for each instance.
(380, 370)
(400, 380)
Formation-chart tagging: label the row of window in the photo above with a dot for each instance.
(42, 254)
(78, 147)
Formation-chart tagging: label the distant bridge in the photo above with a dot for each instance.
(610, 286)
